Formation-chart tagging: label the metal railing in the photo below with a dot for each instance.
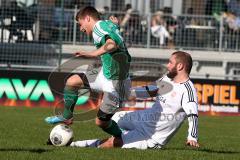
(38, 40)
(192, 32)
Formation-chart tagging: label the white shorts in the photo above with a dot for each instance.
(132, 136)
(116, 92)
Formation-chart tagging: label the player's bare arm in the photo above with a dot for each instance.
(109, 46)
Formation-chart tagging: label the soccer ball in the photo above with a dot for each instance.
(61, 135)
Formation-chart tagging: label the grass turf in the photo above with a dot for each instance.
(23, 134)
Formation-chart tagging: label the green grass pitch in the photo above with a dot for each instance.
(23, 134)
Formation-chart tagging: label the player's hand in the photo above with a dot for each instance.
(114, 19)
(192, 143)
(80, 53)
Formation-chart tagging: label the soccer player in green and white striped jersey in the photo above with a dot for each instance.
(112, 78)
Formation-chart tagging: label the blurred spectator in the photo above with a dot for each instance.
(187, 20)
(106, 13)
(133, 29)
(127, 7)
(232, 21)
(185, 36)
(21, 21)
(171, 22)
(158, 28)
(233, 15)
(215, 7)
(167, 14)
(106, 8)
(232, 25)
(127, 23)
(234, 7)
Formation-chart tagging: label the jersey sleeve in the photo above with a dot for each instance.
(190, 106)
(144, 91)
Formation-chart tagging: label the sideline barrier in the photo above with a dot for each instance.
(34, 89)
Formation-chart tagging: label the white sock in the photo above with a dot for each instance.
(86, 143)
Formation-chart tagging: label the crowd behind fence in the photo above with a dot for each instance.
(160, 30)
(49, 24)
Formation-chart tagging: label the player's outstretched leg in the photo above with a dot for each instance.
(97, 143)
(70, 92)
(86, 143)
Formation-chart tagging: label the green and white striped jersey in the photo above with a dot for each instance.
(115, 64)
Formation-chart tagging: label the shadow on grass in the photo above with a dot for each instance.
(204, 150)
(31, 150)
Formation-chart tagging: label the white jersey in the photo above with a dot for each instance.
(156, 125)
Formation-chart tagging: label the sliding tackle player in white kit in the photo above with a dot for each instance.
(153, 128)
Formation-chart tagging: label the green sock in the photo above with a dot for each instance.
(70, 99)
(113, 129)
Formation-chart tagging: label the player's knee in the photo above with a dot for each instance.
(117, 142)
(102, 124)
(74, 80)
(112, 142)
(108, 143)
